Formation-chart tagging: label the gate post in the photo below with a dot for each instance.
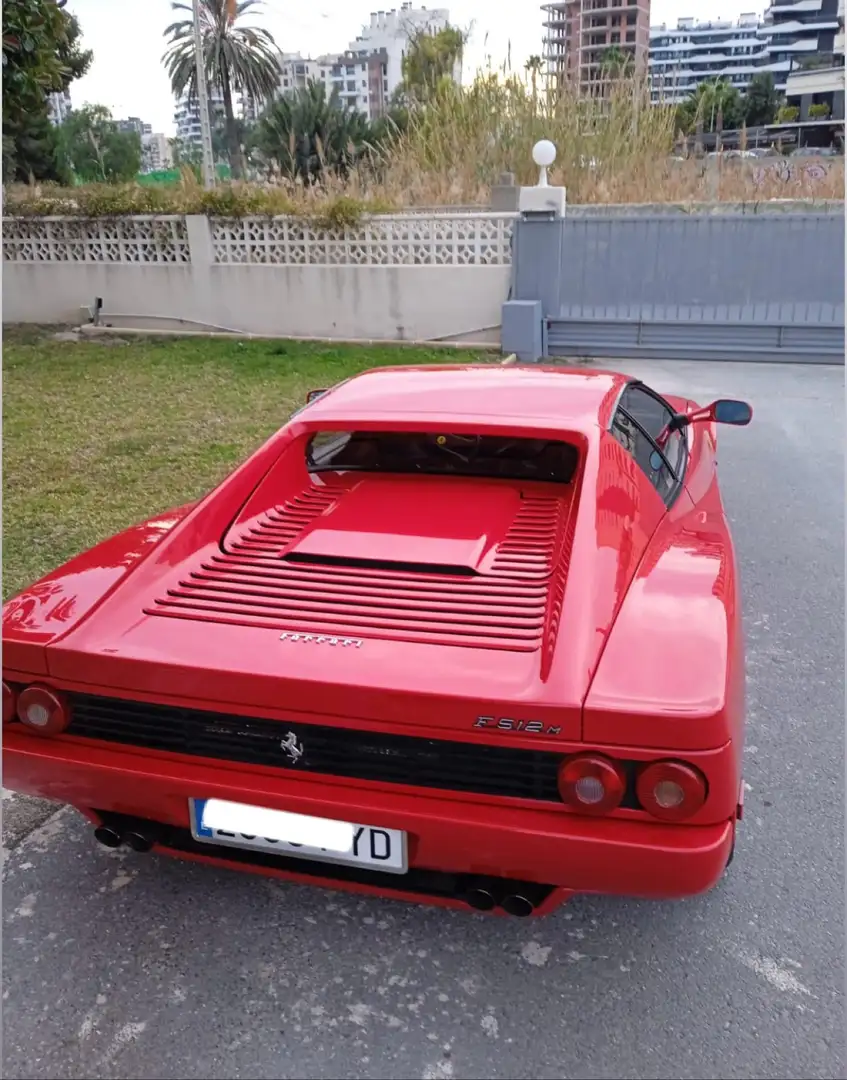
(536, 264)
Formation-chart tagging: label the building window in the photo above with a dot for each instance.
(630, 19)
(351, 86)
(630, 35)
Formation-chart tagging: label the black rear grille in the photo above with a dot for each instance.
(363, 755)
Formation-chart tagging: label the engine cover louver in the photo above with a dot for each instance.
(249, 582)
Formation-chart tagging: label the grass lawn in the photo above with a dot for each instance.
(102, 434)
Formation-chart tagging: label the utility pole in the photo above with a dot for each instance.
(203, 100)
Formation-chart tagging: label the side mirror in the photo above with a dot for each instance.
(730, 411)
(722, 411)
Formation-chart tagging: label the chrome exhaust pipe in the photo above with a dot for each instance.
(518, 905)
(107, 836)
(138, 841)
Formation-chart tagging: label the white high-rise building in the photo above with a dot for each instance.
(156, 154)
(369, 71)
(387, 36)
(187, 117)
(683, 57)
(794, 35)
(797, 32)
(59, 106)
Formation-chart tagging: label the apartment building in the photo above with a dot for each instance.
(578, 35)
(797, 32)
(58, 106)
(156, 154)
(794, 35)
(134, 123)
(691, 53)
(187, 117)
(370, 69)
(821, 83)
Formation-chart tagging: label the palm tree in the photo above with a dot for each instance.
(307, 134)
(534, 66)
(239, 59)
(714, 104)
(615, 62)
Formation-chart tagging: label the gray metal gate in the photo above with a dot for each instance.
(706, 286)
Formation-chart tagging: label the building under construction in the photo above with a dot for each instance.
(583, 36)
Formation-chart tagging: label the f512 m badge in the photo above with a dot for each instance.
(505, 723)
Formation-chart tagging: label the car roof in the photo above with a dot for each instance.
(575, 399)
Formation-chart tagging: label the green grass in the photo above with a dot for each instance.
(102, 434)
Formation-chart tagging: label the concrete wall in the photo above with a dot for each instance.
(422, 277)
(369, 302)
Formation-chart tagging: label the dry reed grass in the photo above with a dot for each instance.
(615, 148)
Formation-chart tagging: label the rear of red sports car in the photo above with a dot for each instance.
(438, 639)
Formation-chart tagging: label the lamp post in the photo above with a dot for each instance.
(543, 154)
(202, 92)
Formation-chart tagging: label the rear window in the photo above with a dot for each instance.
(442, 453)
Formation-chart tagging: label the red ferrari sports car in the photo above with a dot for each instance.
(468, 635)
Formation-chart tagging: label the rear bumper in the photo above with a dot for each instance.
(547, 846)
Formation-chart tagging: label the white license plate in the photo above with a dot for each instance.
(215, 821)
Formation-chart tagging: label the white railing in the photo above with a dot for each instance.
(447, 238)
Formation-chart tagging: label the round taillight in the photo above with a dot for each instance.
(671, 790)
(8, 703)
(591, 784)
(43, 710)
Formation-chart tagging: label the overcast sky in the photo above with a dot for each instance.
(126, 36)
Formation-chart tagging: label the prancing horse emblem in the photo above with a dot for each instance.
(292, 747)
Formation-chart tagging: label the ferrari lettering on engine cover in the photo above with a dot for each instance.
(505, 723)
(323, 639)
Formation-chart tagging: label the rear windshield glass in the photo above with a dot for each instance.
(442, 453)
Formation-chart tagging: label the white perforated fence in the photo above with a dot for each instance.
(101, 240)
(442, 239)
(399, 240)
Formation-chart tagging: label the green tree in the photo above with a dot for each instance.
(430, 60)
(307, 134)
(616, 62)
(220, 136)
(239, 59)
(95, 150)
(534, 67)
(187, 154)
(761, 101)
(716, 104)
(42, 54)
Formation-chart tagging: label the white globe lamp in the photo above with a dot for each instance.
(543, 154)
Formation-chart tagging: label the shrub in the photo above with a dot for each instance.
(332, 211)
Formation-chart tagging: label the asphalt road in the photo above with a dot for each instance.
(142, 967)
